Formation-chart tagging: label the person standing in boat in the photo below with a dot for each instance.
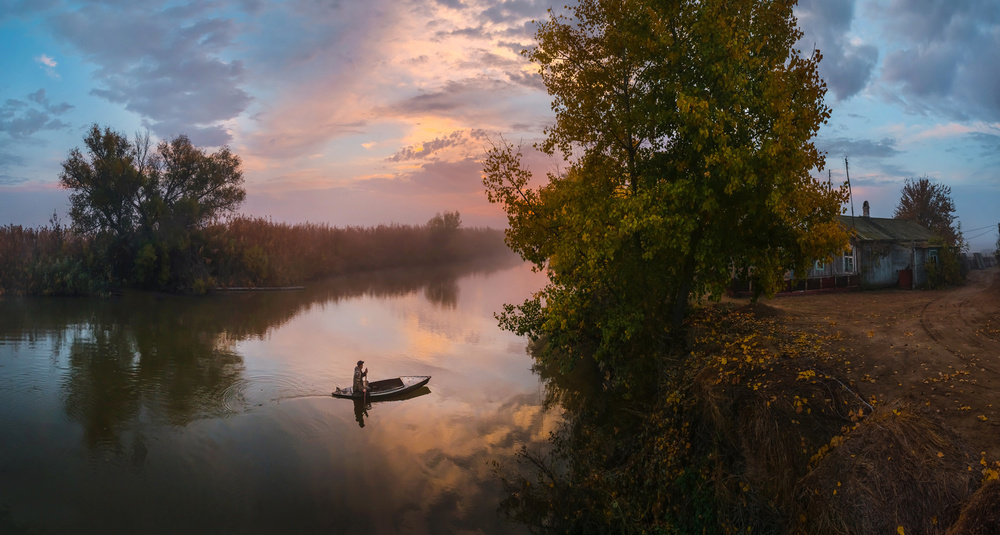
(360, 379)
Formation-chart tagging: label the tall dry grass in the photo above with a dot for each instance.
(243, 251)
(259, 252)
(45, 261)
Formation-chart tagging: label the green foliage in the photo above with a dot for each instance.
(720, 450)
(947, 271)
(688, 128)
(48, 261)
(122, 187)
(148, 206)
(447, 223)
(145, 263)
(444, 234)
(524, 320)
(255, 262)
(107, 186)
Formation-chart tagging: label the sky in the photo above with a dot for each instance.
(361, 112)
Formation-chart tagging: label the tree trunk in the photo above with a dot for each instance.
(685, 283)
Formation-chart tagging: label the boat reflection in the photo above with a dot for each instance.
(361, 407)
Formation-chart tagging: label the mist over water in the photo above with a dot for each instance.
(163, 414)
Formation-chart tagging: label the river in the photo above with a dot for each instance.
(164, 414)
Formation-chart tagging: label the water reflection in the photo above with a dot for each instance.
(361, 411)
(215, 413)
(173, 360)
(362, 406)
(443, 292)
(170, 359)
(553, 489)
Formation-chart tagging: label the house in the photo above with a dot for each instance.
(883, 253)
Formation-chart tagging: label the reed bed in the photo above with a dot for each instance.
(242, 251)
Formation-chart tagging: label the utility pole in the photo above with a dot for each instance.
(850, 195)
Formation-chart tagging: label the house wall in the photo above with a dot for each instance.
(920, 269)
(831, 268)
(875, 266)
(881, 262)
(833, 274)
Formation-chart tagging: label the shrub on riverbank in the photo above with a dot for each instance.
(47, 261)
(754, 432)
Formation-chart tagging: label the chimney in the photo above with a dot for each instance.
(865, 208)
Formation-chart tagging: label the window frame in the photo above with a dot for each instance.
(849, 257)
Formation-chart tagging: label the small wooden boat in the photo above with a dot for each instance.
(386, 388)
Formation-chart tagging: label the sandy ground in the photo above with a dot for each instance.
(938, 347)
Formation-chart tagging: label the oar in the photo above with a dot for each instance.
(366, 388)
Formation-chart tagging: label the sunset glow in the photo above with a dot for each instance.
(359, 113)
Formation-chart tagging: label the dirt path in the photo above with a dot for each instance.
(938, 347)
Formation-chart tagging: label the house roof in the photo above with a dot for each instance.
(885, 229)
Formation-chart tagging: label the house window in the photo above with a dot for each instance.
(819, 265)
(932, 256)
(849, 261)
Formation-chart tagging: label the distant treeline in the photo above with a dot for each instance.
(241, 251)
(165, 218)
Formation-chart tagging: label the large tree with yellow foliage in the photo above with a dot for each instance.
(688, 127)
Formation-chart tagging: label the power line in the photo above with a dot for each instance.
(975, 229)
(981, 234)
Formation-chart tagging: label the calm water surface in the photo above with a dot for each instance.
(145, 414)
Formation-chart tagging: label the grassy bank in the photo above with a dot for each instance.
(242, 251)
(756, 430)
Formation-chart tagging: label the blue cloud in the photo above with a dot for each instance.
(948, 56)
(164, 65)
(21, 120)
(847, 67)
(863, 148)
